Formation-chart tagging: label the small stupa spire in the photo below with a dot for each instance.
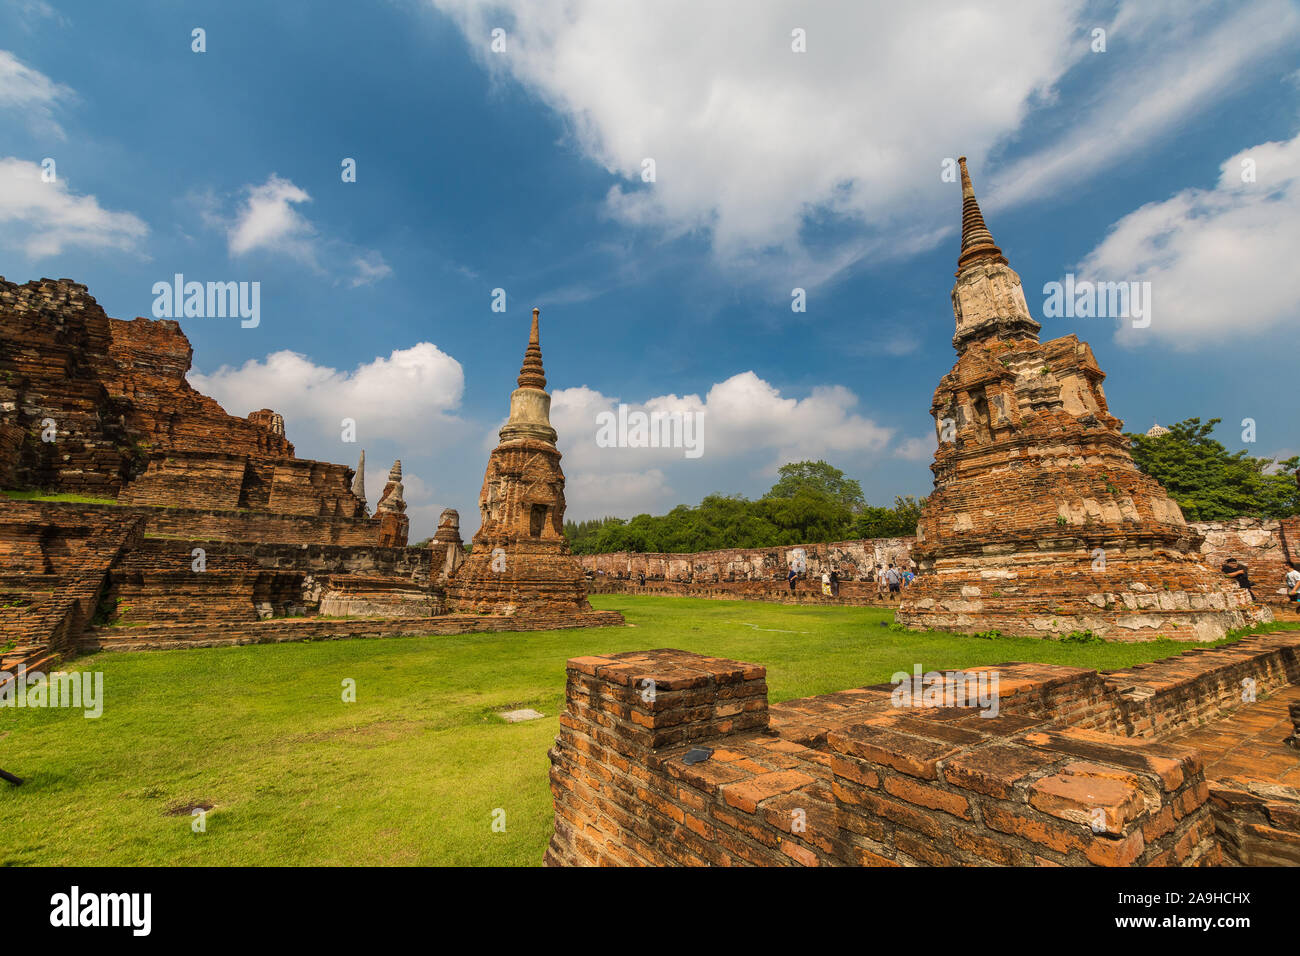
(359, 479)
(977, 243)
(532, 375)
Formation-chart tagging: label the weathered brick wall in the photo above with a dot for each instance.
(54, 594)
(208, 525)
(281, 630)
(807, 590)
(11, 445)
(759, 573)
(124, 414)
(854, 560)
(851, 779)
(161, 582)
(191, 480)
(54, 341)
(148, 362)
(1257, 542)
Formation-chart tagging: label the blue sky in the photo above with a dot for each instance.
(774, 170)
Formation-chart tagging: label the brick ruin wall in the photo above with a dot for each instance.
(128, 424)
(1071, 770)
(77, 577)
(1263, 544)
(854, 560)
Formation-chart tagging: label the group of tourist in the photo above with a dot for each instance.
(889, 581)
(1241, 574)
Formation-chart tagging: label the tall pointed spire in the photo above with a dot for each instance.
(976, 241)
(532, 375)
(530, 405)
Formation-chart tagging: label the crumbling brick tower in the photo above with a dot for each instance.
(1040, 523)
(520, 560)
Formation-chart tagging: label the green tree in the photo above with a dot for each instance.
(896, 522)
(818, 477)
(811, 502)
(1210, 484)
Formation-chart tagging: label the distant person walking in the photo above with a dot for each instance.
(826, 584)
(881, 586)
(1237, 571)
(894, 579)
(641, 579)
(1292, 583)
(792, 577)
(835, 582)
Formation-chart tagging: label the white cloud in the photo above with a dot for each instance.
(41, 219)
(591, 494)
(918, 449)
(749, 429)
(31, 93)
(1221, 261)
(757, 147)
(408, 399)
(370, 268)
(1175, 62)
(268, 219)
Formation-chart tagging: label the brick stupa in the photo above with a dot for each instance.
(520, 560)
(1040, 523)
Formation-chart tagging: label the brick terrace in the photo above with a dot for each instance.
(1078, 768)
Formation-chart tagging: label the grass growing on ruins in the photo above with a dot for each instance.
(41, 496)
(412, 772)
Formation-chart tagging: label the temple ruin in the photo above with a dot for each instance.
(520, 560)
(188, 526)
(1040, 523)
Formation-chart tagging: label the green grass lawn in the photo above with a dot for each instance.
(412, 772)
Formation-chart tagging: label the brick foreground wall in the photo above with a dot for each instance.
(851, 779)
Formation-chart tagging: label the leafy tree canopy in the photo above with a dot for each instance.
(1208, 482)
(819, 478)
(811, 501)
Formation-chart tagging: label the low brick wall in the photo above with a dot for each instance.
(228, 634)
(851, 779)
(855, 561)
(851, 593)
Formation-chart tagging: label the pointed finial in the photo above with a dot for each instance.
(532, 375)
(359, 479)
(976, 241)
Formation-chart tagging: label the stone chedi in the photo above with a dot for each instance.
(1040, 523)
(448, 550)
(520, 560)
(391, 510)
